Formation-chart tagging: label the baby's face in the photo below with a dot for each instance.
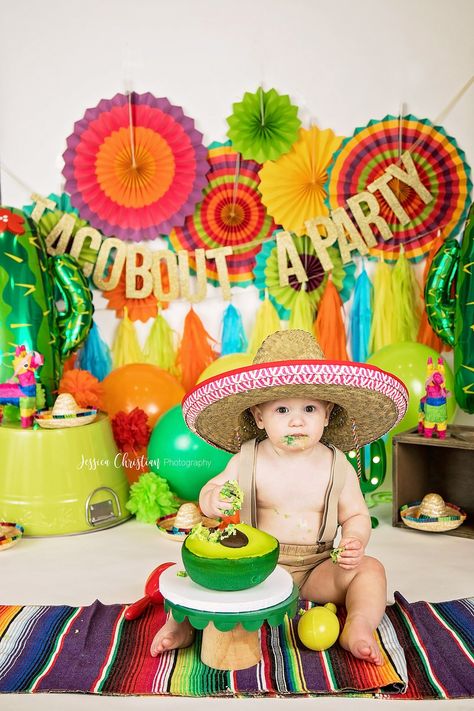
(293, 423)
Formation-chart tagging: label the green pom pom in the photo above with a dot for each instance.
(40, 397)
(151, 498)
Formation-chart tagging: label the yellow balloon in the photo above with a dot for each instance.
(318, 628)
(224, 363)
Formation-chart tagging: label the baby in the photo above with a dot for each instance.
(287, 417)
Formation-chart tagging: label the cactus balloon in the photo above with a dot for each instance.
(30, 283)
(452, 317)
(373, 476)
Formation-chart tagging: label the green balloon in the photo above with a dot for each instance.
(452, 315)
(439, 298)
(185, 460)
(408, 362)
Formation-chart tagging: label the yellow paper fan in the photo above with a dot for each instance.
(292, 187)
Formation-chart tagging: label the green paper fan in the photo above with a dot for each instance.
(263, 125)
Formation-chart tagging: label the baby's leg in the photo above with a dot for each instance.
(364, 593)
(173, 635)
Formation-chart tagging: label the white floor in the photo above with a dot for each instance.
(113, 565)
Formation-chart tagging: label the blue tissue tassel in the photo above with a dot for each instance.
(361, 317)
(234, 339)
(95, 355)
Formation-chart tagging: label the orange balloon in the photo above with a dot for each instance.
(141, 385)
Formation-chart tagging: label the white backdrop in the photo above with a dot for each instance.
(341, 62)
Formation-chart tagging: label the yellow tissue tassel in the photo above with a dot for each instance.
(267, 322)
(195, 351)
(159, 347)
(381, 331)
(426, 334)
(329, 326)
(126, 348)
(406, 301)
(302, 312)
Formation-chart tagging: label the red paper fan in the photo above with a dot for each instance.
(135, 166)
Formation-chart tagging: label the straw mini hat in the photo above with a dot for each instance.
(368, 401)
(10, 533)
(432, 514)
(177, 526)
(65, 413)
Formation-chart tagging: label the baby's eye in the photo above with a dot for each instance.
(310, 408)
(282, 409)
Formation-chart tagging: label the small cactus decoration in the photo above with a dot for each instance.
(450, 314)
(373, 476)
(30, 284)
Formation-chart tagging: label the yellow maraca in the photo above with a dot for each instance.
(318, 628)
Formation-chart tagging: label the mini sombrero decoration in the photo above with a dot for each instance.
(432, 514)
(10, 533)
(65, 413)
(369, 401)
(177, 526)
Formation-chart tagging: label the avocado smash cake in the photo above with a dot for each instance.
(233, 556)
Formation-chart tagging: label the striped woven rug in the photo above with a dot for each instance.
(428, 652)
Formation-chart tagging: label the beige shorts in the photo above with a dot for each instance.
(300, 561)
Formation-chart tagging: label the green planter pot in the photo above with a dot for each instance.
(62, 481)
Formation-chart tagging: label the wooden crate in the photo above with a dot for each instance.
(446, 467)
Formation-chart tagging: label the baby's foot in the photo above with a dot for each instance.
(358, 638)
(173, 635)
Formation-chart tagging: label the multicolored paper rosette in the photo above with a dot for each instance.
(293, 187)
(267, 276)
(51, 218)
(442, 169)
(135, 166)
(263, 125)
(230, 214)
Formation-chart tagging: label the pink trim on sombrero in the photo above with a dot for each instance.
(301, 372)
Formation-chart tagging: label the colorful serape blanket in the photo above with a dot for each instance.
(428, 653)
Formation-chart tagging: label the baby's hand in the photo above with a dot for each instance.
(216, 506)
(352, 553)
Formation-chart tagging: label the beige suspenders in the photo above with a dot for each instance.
(329, 524)
(246, 474)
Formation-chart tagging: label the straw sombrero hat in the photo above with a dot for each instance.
(65, 413)
(177, 526)
(432, 514)
(368, 401)
(10, 533)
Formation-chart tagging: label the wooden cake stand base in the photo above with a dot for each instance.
(236, 649)
(230, 620)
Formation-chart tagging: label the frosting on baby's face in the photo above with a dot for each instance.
(293, 424)
(295, 441)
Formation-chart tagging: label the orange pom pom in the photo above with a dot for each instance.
(195, 351)
(84, 387)
(329, 325)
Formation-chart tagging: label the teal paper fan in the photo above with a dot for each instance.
(263, 125)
